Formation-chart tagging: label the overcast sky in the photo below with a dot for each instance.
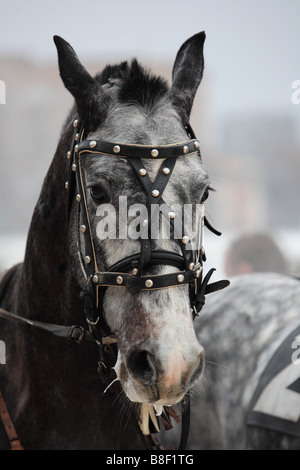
(252, 49)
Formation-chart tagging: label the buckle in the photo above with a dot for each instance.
(195, 312)
(77, 333)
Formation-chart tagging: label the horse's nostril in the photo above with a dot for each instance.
(140, 363)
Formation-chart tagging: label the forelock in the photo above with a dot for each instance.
(135, 84)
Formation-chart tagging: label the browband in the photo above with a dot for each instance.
(138, 151)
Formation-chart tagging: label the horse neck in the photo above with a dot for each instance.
(46, 280)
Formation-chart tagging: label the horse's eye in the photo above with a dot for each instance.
(205, 195)
(99, 194)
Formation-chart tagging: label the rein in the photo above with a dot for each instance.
(130, 271)
(15, 443)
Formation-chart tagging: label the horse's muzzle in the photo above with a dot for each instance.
(165, 380)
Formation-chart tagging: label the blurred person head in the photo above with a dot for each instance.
(254, 253)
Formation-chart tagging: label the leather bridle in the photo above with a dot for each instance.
(131, 271)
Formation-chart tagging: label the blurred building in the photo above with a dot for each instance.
(271, 141)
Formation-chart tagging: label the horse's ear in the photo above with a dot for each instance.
(187, 73)
(85, 89)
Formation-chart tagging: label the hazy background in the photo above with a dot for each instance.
(248, 127)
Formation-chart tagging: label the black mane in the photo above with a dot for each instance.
(136, 84)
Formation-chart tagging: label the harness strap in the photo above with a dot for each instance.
(185, 418)
(151, 282)
(157, 187)
(15, 443)
(158, 257)
(74, 333)
(139, 151)
(204, 288)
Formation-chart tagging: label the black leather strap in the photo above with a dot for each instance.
(151, 282)
(139, 151)
(74, 332)
(158, 257)
(185, 418)
(154, 191)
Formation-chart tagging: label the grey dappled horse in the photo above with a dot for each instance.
(249, 397)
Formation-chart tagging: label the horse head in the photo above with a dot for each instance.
(133, 158)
